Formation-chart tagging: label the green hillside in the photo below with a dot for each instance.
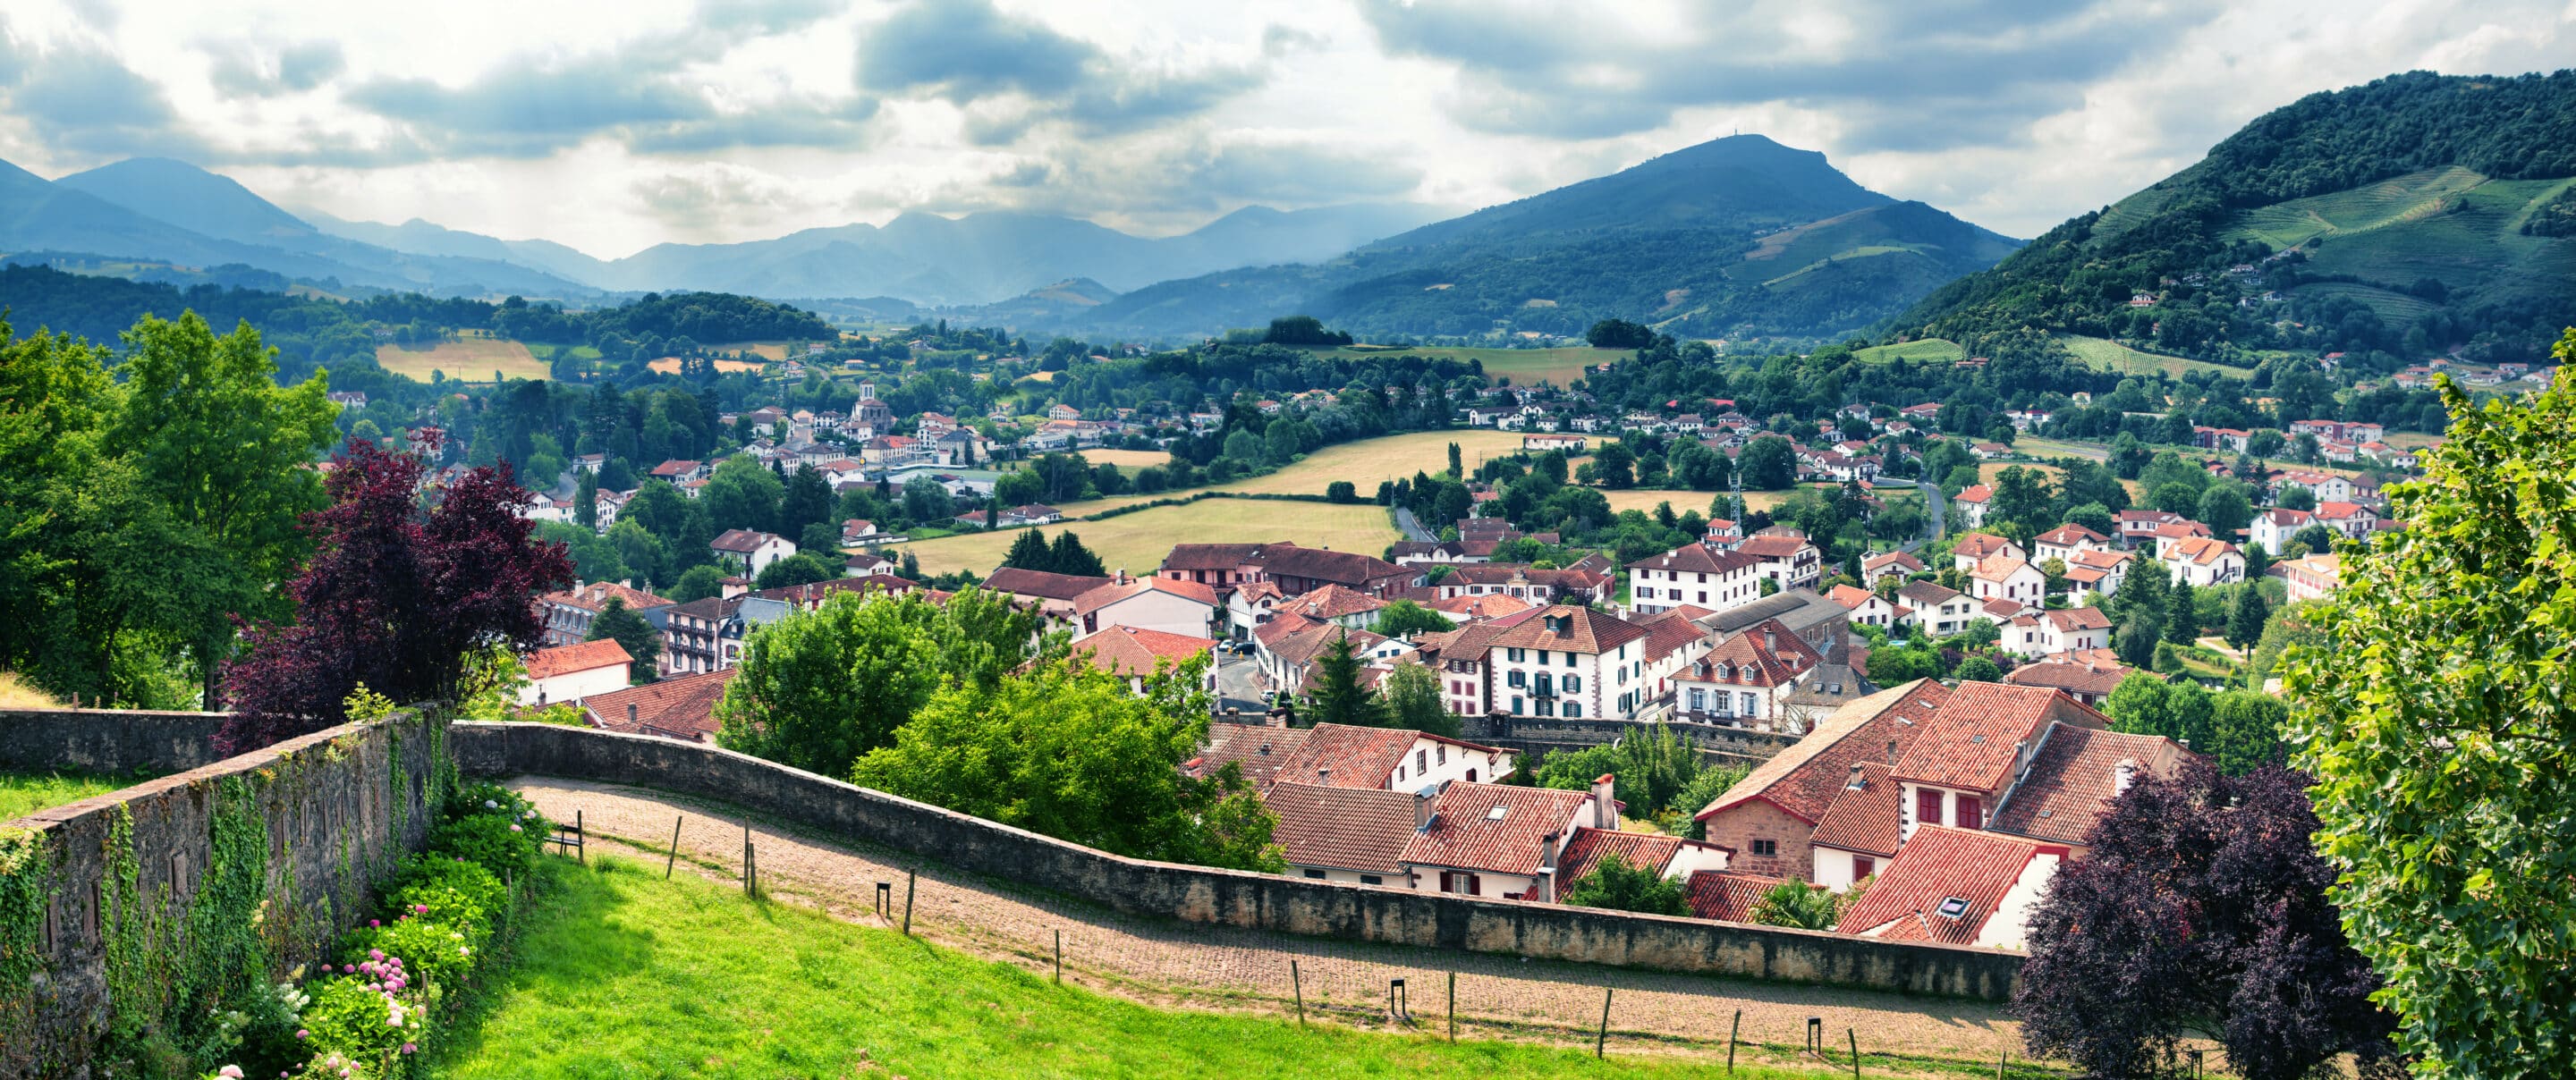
(2392, 221)
(1740, 237)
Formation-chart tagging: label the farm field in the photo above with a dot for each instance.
(1366, 462)
(1525, 367)
(472, 359)
(1925, 349)
(1644, 499)
(2110, 355)
(1128, 461)
(1137, 542)
(767, 350)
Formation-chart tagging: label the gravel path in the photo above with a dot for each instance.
(1169, 962)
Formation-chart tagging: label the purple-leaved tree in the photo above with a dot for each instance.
(405, 583)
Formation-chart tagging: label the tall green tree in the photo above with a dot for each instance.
(2182, 615)
(1615, 884)
(585, 499)
(2437, 723)
(1334, 693)
(1070, 752)
(1070, 557)
(806, 500)
(1412, 695)
(2245, 622)
(1407, 617)
(619, 623)
(742, 494)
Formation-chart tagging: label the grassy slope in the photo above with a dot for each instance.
(2452, 225)
(25, 793)
(1137, 542)
(1525, 367)
(620, 974)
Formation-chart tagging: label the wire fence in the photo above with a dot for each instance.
(1321, 980)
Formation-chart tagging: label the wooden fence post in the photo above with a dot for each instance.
(1059, 957)
(908, 879)
(1601, 1041)
(674, 857)
(1731, 1031)
(1297, 986)
(1855, 1049)
(1453, 1006)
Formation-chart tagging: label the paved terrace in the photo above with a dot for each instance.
(1167, 962)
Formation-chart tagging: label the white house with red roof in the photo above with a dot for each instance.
(1134, 653)
(2006, 577)
(1699, 575)
(2095, 576)
(2066, 541)
(1173, 607)
(1900, 565)
(1957, 887)
(2202, 561)
(748, 551)
(1867, 608)
(573, 672)
(1746, 678)
(1976, 547)
(1503, 842)
(1971, 503)
(1569, 661)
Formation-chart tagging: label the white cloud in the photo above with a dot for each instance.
(615, 124)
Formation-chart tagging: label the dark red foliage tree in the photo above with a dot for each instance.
(406, 581)
(2201, 910)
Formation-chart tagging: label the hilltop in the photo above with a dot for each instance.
(1736, 237)
(2414, 215)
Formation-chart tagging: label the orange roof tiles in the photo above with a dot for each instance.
(1969, 743)
(680, 708)
(1804, 779)
(1261, 750)
(2073, 778)
(1354, 829)
(1642, 850)
(1727, 895)
(1863, 818)
(1938, 864)
(1583, 630)
(1131, 650)
(1491, 827)
(566, 659)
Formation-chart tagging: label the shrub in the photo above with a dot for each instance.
(443, 888)
(497, 844)
(486, 797)
(354, 1015)
(437, 952)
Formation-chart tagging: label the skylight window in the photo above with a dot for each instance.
(1953, 908)
(1497, 813)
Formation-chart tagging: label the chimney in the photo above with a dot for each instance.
(2123, 774)
(1605, 809)
(1857, 782)
(1770, 641)
(1422, 815)
(1548, 850)
(630, 714)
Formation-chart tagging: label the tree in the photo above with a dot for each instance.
(797, 569)
(1648, 769)
(2225, 509)
(2096, 517)
(2201, 910)
(1795, 903)
(1767, 464)
(585, 499)
(1070, 557)
(2245, 623)
(927, 502)
(2317, 539)
(1978, 669)
(642, 643)
(1018, 487)
(1619, 334)
(1070, 752)
(394, 597)
(742, 494)
(2245, 731)
(2141, 705)
(699, 583)
(1413, 700)
(1335, 696)
(2437, 722)
(1614, 884)
(1029, 552)
(1457, 470)
(819, 688)
(2182, 614)
(2298, 497)
(1341, 491)
(806, 502)
(1407, 617)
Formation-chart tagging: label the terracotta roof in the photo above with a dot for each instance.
(1926, 594)
(565, 659)
(2068, 620)
(675, 467)
(1129, 650)
(743, 541)
(1727, 895)
(1486, 606)
(1104, 595)
(1311, 641)
(2072, 677)
(1969, 743)
(1978, 546)
(1763, 546)
(1696, 559)
(1491, 827)
(1998, 567)
(681, 708)
(1261, 750)
(1041, 583)
(2179, 529)
(1903, 559)
(1747, 659)
(1938, 864)
(2070, 534)
(1804, 778)
(1209, 556)
(597, 594)
(1342, 828)
(1850, 596)
(1332, 602)
(2073, 777)
(1585, 631)
(2202, 550)
(1339, 755)
(1645, 850)
(1672, 630)
(1863, 818)
(1974, 493)
(2100, 560)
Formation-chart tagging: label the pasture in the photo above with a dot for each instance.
(467, 359)
(1927, 349)
(1366, 462)
(1524, 367)
(2108, 355)
(670, 365)
(1137, 542)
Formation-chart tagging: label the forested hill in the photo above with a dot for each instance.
(2392, 221)
(310, 331)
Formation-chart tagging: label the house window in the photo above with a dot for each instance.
(1516, 679)
(1752, 705)
(1699, 700)
(1569, 657)
(1371, 879)
(1513, 655)
(1927, 807)
(1972, 812)
(1863, 866)
(1574, 708)
(1573, 683)
(1440, 754)
(1542, 658)
(1516, 706)
(1316, 874)
(1420, 760)
(1766, 847)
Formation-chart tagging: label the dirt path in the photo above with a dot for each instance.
(1169, 962)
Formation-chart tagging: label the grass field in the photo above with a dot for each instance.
(620, 974)
(1926, 349)
(1525, 367)
(2110, 355)
(1137, 542)
(15, 693)
(1686, 501)
(1128, 460)
(23, 793)
(769, 350)
(1366, 462)
(2397, 200)
(670, 365)
(471, 359)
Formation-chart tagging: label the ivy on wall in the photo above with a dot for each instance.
(26, 882)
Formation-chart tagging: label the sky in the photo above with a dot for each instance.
(615, 126)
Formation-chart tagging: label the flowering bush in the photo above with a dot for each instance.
(444, 888)
(486, 797)
(369, 1013)
(497, 844)
(436, 953)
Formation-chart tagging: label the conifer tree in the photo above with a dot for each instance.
(1335, 693)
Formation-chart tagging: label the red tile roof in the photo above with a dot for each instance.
(1727, 895)
(1978, 546)
(1696, 559)
(1486, 606)
(681, 708)
(1804, 779)
(2073, 677)
(1850, 596)
(1863, 818)
(1642, 850)
(1112, 592)
(1969, 744)
(1585, 631)
(1904, 560)
(1766, 654)
(743, 541)
(1940, 863)
(2202, 550)
(1130, 650)
(597, 594)
(566, 659)
(1331, 602)
(1041, 583)
(2074, 776)
(1763, 546)
(1342, 828)
(2069, 535)
(1339, 755)
(1974, 493)
(1494, 828)
(1260, 749)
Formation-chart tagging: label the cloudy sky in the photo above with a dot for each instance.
(613, 126)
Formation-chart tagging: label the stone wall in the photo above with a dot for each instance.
(1226, 897)
(1718, 744)
(106, 741)
(338, 806)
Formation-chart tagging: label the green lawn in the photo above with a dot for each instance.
(23, 793)
(618, 973)
(1922, 350)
